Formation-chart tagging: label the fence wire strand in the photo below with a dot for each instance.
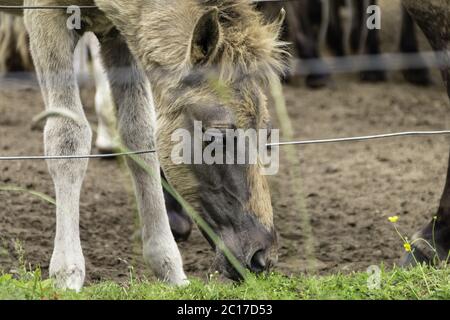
(278, 144)
(95, 7)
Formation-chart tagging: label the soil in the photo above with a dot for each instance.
(349, 189)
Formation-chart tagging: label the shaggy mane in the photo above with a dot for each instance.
(250, 46)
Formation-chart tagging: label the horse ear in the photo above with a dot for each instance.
(279, 21)
(281, 18)
(206, 38)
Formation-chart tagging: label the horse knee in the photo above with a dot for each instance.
(65, 137)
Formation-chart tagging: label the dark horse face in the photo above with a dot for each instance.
(216, 102)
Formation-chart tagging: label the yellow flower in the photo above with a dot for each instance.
(407, 247)
(393, 219)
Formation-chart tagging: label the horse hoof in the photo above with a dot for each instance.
(182, 283)
(104, 146)
(373, 76)
(430, 246)
(414, 258)
(70, 278)
(418, 77)
(104, 142)
(180, 225)
(317, 81)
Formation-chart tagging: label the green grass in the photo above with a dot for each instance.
(418, 283)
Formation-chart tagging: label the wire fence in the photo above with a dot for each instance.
(278, 144)
(327, 65)
(44, 7)
(377, 62)
(96, 7)
(381, 62)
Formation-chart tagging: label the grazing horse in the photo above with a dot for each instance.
(16, 57)
(156, 48)
(433, 16)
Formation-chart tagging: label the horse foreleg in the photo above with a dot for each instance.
(432, 17)
(432, 243)
(437, 232)
(137, 126)
(52, 47)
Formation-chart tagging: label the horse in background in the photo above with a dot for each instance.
(14, 50)
(313, 26)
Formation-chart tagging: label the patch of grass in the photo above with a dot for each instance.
(395, 284)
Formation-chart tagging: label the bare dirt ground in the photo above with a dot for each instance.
(349, 189)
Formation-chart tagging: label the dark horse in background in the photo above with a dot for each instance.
(433, 17)
(371, 45)
(341, 25)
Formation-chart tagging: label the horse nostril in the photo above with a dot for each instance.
(258, 262)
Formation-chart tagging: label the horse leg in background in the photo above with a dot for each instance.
(432, 17)
(14, 49)
(304, 20)
(335, 34)
(137, 126)
(7, 43)
(104, 103)
(370, 45)
(88, 47)
(409, 45)
(81, 61)
(52, 46)
(304, 45)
